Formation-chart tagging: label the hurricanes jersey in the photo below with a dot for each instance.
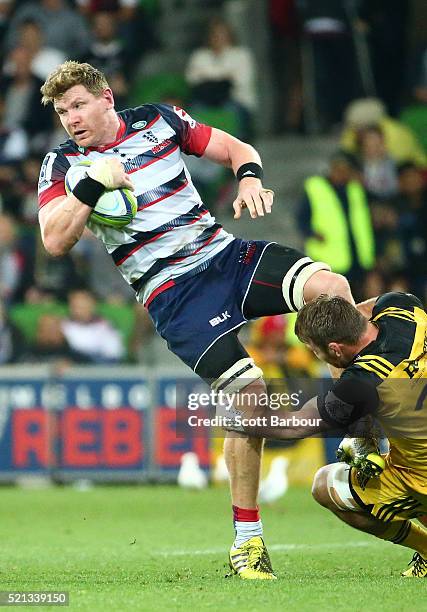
(173, 235)
(388, 379)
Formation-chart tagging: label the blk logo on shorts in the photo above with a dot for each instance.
(220, 319)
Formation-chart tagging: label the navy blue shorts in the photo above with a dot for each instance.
(194, 313)
(199, 317)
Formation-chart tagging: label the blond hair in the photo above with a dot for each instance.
(68, 75)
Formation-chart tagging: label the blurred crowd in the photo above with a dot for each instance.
(339, 67)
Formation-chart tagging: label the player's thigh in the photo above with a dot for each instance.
(277, 286)
(220, 357)
(388, 497)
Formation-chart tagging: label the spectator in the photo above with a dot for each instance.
(373, 284)
(141, 342)
(10, 259)
(388, 247)
(28, 210)
(94, 264)
(327, 31)
(58, 135)
(44, 59)
(63, 27)
(55, 276)
(281, 362)
(285, 43)
(50, 344)
(90, 334)
(13, 139)
(106, 52)
(420, 89)
(6, 7)
(21, 90)
(411, 204)
(335, 220)
(125, 9)
(385, 23)
(222, 74)
(134, 24)
(12, 343)
(401, 144)
(378, 169)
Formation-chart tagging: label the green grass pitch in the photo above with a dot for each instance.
(160, 548)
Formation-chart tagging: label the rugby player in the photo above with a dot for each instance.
(384, 376)
(199, 283)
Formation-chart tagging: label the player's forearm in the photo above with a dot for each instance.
(242, 153)
(64, 225)
(288, 425)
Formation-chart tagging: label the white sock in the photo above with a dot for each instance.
(245, 530)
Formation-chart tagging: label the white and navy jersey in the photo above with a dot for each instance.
(173, 235)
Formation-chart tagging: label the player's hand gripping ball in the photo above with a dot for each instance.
(115, 208)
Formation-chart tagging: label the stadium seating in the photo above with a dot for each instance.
(221, 118)
(158, 87)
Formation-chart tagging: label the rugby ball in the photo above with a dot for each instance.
(115, 208)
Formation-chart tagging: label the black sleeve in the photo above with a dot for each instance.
(396, 299)
(350, 399)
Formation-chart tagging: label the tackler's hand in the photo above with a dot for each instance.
(111, 173)
(253, 196)
(363, 454)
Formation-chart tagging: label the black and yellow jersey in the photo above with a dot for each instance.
(388, 379)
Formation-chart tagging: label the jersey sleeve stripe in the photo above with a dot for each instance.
(376, 366)
(387, 365)
(398, 313)
(56, 190)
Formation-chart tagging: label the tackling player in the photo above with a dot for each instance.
(199, 283)
(385, 371)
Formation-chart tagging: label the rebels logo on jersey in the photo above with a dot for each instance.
(172, 235)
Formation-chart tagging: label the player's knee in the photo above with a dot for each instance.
(329, 283)
(319, 489)
(339, 285)
(239, 391)
(242, 375)
(257, 387)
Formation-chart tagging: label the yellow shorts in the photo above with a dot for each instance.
(391, 495)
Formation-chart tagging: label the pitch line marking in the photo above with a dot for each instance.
(275, 547)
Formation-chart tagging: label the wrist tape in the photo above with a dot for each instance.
(250, 170)
(88, 191)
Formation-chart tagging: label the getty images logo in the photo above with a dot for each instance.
(220, 319)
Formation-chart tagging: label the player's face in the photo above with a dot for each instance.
(87, 118)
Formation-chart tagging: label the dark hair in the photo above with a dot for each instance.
(344, 156)
(406, 165)
(329, 319)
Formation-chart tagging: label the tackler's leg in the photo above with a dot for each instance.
(332, 488)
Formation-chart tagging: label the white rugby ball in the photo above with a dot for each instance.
(115, 208)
